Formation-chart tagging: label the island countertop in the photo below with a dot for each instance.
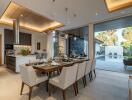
(14, 61)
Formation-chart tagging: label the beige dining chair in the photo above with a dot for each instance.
(30, 78)
(87, 71)
(65, 79)
(81, 73)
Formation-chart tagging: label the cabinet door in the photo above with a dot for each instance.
(25, 39)
(8, 36)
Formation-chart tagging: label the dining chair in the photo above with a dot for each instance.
(93, 65)
(87, 71)
(65, 79)
(81, 73)
(30, 78)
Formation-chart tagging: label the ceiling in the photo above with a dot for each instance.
(114, 5)
(82, 13)
(114, 24)
(28, 19)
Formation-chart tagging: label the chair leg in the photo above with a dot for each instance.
(30, 92)
(90, 76)
(75, 90)
(22, 88)
(94, 72)
(76, 86)
(58, 72)
(83, 81)
(64, 94)
(49, 88)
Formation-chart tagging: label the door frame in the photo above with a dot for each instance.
(0, 49)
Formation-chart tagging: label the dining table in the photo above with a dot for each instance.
(48, 67)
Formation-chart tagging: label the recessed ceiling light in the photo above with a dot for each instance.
(74, 15)
(75, 38)
(97, 14)
(66, 9)
(53, 32)
(21, 15)
(53, 0)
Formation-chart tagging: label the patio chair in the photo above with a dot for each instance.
(115, 55)
(110, 55)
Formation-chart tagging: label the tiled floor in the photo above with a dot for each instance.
(113, 65)
(106, 86)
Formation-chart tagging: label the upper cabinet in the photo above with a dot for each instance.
(24, 38)
(9, 36)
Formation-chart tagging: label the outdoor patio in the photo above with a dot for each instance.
(112, 64)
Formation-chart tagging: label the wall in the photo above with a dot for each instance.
(39, 37)
(2, 33)
(114, 49)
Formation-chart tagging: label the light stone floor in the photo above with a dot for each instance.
(106, 86)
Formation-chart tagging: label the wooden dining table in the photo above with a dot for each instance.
(48, 68)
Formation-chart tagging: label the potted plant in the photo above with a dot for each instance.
(25, 51)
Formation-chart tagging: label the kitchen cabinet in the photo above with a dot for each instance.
(8, 36)
(13, 62)
(24, 38)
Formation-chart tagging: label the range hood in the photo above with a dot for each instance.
(16, 31)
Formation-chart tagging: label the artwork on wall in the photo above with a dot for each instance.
(38, 46)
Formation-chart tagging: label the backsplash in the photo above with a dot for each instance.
(18, 48)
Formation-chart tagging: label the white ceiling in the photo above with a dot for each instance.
(84, 9)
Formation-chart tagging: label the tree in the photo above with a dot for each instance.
(127, 34)
(102, 37)
(108, 37)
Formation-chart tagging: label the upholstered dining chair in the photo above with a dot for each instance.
(65, 79)
(87, 71)
(30, 78)
(81, 73)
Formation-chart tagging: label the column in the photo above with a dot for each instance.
(91, 41)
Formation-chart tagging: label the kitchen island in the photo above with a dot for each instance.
(14, 61)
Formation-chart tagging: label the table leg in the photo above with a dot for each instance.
(49, 76)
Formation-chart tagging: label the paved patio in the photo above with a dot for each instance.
(109, 64)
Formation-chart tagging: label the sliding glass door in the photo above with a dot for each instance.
(113, 44)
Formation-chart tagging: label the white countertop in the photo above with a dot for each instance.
(22, 56)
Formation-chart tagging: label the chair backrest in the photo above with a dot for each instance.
(28, 74)
(93, 65)
(88, 67)
(68, 75)
(81, 70)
